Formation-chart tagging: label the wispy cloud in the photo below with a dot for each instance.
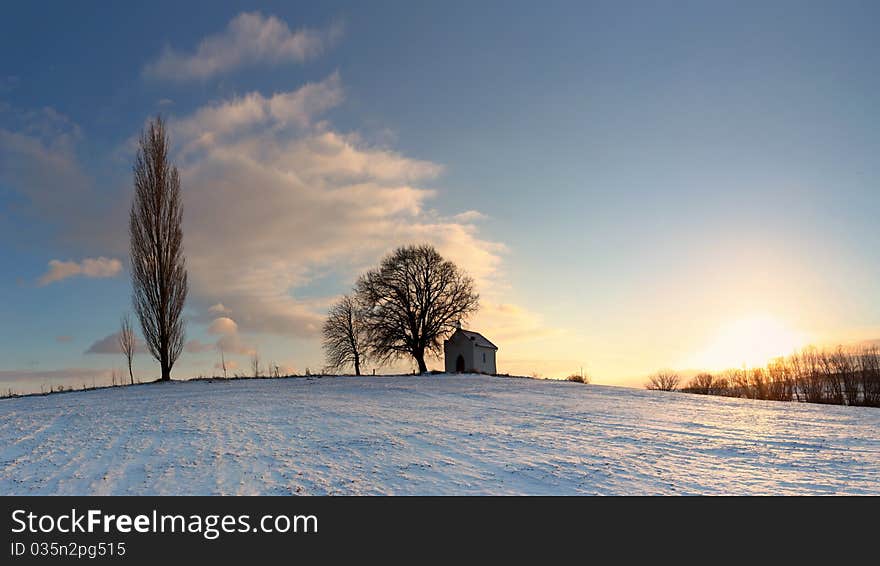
(196, 346)
(99, 267)
(37, 160)
(32, 379)
(39, 164)
(110, 345)
(249, 39)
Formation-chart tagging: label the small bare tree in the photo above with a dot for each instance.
(663, 380)
(833, 386)
(255, 363)
(345, 336)
(127, 343)
(779, 381)
(843, 365)
(412, 302)
(701, 384)
(757, 383)
(158, 266)
(869, 374)
(222, 357)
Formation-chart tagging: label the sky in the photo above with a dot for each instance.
(632, 185)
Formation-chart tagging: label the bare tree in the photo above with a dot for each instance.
(808, 381)
(345, 336)
(413, 301)
(158, 265)
(757, 381)
(255, 363)
(127, 342)
(701, 384)
(869, 375)
(844, 366)
(663, 380)
(222, 357)
(779, 380)
(833, 387)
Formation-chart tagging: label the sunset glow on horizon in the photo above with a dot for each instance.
(751, 341)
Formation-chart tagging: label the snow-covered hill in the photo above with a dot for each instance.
(428, 435)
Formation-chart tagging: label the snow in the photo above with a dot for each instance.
(439, 434)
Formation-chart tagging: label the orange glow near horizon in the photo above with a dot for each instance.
(750, 341)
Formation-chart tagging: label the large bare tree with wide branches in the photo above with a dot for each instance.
(158, 266)
(413, 301)
(345, 335)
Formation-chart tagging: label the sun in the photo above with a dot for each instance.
(751, 341)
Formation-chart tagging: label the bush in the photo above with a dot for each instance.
(578, 378)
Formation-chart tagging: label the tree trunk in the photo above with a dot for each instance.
(166, 372)
(420, 359)
(357, 364)
(130, 373)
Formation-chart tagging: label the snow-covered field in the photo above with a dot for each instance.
(429, 435)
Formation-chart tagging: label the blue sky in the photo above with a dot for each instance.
(626, 180)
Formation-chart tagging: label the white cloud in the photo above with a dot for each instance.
(219, 308)
(213, 124)
(249, 39)
(272, 200)
(228, 337)
(224, 326)
(99, 267)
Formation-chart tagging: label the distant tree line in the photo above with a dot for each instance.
(835, 377)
